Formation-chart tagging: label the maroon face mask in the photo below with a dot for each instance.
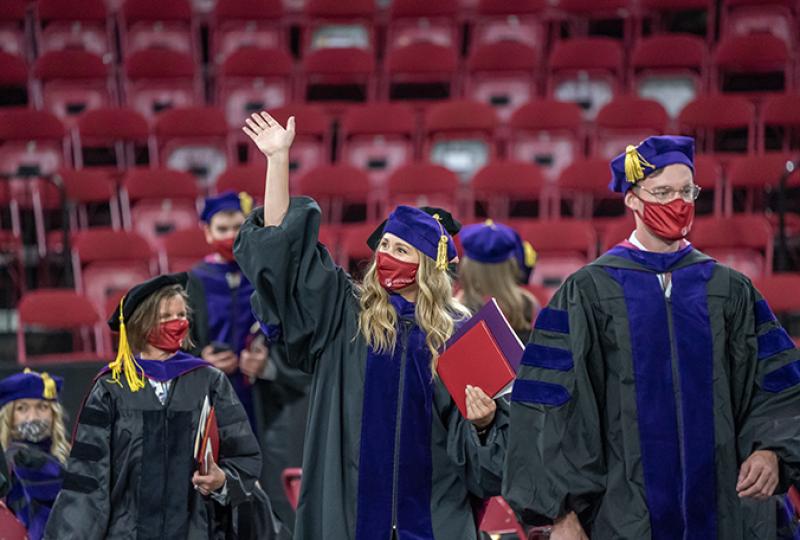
(394, 274)
(168, 336)
(672, 221)
(224, 248)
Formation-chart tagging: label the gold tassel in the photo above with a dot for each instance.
(246, 202)
(530, 254)
(441, 252)
(125, 361)
(489, 223)
(50, 389)
(635, 164)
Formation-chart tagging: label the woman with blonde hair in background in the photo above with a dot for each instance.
(34, 437)
(492, 268)
(387, 453)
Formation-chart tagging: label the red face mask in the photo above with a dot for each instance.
(672, 221)
(168, 336)
(394, 274)
(224, 248)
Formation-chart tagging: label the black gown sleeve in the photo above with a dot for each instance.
(297, 283)
(555, 461)
(766, 371)
(5, 479)
(82, 509)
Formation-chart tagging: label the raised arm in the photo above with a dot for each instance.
(274, 141)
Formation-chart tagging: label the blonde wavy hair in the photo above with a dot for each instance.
(436, 310)
(60, 446)
(499, 280)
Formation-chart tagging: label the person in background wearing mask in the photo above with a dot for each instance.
(219, 296)
(658, 396)
(132, 470)
(34, 437)
(387, 452)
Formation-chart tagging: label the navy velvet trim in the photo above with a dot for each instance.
(539, 392)
(696, 368)
(376, 456)
(763, 313)
(656, 262)
(655, 398)
(774, 342)
(547, 357)
(78, 482)
(553, 320)
(94, 417)
(782, 378)
(86, 452)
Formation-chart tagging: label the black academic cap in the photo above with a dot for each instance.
(450, 224)
(140, 292)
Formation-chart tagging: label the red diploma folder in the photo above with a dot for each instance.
(206, 442)
(475, 359)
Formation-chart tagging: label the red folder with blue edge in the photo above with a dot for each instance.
(475, 356)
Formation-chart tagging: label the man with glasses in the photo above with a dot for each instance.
(658, 396)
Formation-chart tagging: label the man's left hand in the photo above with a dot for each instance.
(758, 476)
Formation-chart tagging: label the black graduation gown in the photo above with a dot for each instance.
(130, 469)
(636, 410)
(385, 443)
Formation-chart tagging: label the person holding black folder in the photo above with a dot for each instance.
(387, 453)
(659, 396)
(133, 471)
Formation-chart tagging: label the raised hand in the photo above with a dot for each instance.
(270, 137)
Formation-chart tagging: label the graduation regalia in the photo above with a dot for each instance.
(130, 469)
(635, 408)
(385, 444)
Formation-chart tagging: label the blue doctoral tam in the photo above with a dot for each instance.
(29, 385)
(653, 153)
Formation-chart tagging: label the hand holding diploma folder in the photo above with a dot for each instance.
(484, 352)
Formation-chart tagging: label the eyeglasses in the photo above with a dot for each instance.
(689, 193)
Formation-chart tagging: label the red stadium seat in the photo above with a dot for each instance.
(194, 139)
(108, 263)
(86, 188)
(77, 24)
(502, 74)
(563, 246)
(184, 248)
(671, 69)
(754, 175)
(584, 186)
(159, 79)
(780, 123)
(73, 81)
(548, 133)
(776, 17)
(333, 23)
(587, 71)
(415, 21)
(243, 178)
(424, 184)
(421, 71)
(252, 80)
(13, 80)
(626, 120)
(581, 14)
(156, 202)
(616, 231)
(110, 136)
(247, 24)
(708, 175)
(460, 135)
(338, 74)
(13, 35)
(378, 138)
(336, 187)
(782, 293)
(61, 309)
(499, 185)
(499, 520)
(744, 242)
(659, 16)
(354, 254)
(155, 24)
(749, 63)
(291, 485)
(511, 20)
(717, 123)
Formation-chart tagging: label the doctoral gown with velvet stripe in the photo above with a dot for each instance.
(385, 444)
(636, 410)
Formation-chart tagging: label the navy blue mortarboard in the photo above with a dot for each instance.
(228, 201)
(29, 385)
(489, 242)
(653, 153)
(450, 224)
(425, 232)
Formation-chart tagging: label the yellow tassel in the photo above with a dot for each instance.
(50, 389)
(530, 254)
(634, 164)
(489, 223)
(441, 252)
(125, 361)
(246, 202)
